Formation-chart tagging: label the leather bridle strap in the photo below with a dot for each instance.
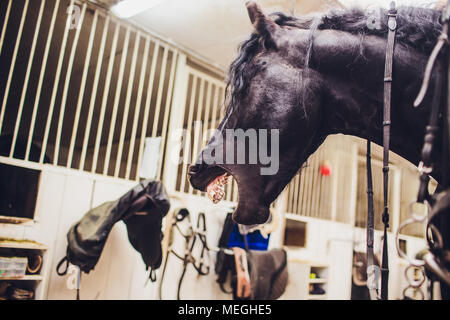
(392, 27)
(388, 65)
(370, 226)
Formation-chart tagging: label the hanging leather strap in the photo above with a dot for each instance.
(243, 285)
(426, 165)
(392, 27)
(370, 226)
(60, 264)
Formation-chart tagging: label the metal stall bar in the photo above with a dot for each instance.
(293, 199)
(305, 194)
(87, 62)
(317, 184)
(137, 107)
(309, 184)
(162, 76)
(127, 103)
(313, 186)
(322, 185)
(13, 64)
(62, 109)
(5, 24)
(27, 78)
(214, 113)
(147, 104)
(167, 112)
(303, 189)
(222, 112)
(87, 129)
(116, 101)
(216, 120)
(206, 118)
(176, 119)
(187, 140)
(40, 81)
(298, 191)
(289, 196)
(55, 85)
(197, 126)
(112, 57)
(204, 136)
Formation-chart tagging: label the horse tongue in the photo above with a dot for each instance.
(216, 188)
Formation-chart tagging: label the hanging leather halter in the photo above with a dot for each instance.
(200, 263)
(437, 258)
(392, 27)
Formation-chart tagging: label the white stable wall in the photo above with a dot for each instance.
(65, 195)
(332, 244)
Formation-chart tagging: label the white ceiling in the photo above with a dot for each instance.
(214, 28)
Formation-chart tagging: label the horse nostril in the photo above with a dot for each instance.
(194, 169)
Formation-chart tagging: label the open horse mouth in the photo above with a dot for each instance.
(211, 180)
(251, 208)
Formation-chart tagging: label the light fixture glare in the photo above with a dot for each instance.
(129, 8)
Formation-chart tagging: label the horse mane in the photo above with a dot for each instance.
(417, 28)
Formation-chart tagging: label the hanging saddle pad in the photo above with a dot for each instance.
(268, 273)
(142, 209)
(268, 269)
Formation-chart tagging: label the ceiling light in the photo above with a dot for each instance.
(129, 8)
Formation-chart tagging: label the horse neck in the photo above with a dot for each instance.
(353, 70)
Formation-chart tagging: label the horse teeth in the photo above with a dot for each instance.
(216, 189)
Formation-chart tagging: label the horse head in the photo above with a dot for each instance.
(297, 80)
(275, 108)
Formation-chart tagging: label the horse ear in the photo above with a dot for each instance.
(261, 22)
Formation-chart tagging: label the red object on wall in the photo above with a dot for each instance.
(326, 169)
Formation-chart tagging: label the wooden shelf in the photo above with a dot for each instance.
(317, 296)
(311, 263)
(29, 277)
(23, 244)
(321, 280)
(318, 280)
(14, 220)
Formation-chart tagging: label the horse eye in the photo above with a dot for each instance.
(264, 63)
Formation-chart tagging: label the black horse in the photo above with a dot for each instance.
(315, 76)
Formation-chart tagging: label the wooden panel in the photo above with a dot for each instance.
(48, 210)
(297, 287)
(76, 200)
